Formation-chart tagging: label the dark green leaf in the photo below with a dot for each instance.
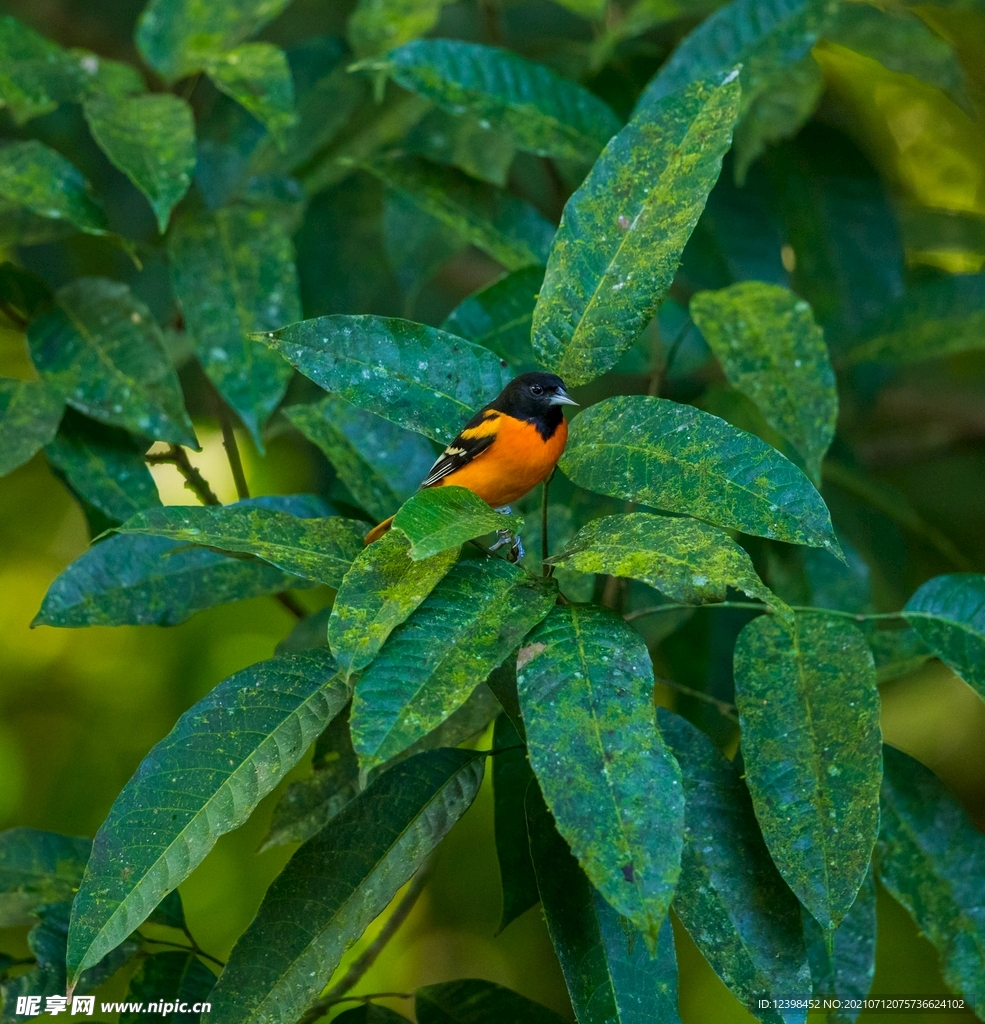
(30, 412)
(202, 780)
(586, 691)
(541, 112)
(233, 274)
(338, 882)
(470, 1001)
(23, 292)
(169, 912)
(171, 977)
(310, 632)
(430, 664)
(151, 138)
(417, 245)
(809, 712)
(103, 349)
(35, 868)
(370, 1013)
(258, 76)
(622, 233)
(378, 25)
(677, 458)
(463, 141)
(438, 518)
(897, 652)
(730, 898)
(932, 859)
(315, 549)
(380, 590)
(415, 376)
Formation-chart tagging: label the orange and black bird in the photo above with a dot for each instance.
(508, 447)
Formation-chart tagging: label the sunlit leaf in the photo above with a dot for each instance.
(586, 688)
(258, 76)
(168, 977)
(30, 412)
(471, 1001)
(202, 780)
(35, 868)
(812, 745)
(623, 231)
(338, 882)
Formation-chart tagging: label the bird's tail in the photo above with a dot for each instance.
(378, 531)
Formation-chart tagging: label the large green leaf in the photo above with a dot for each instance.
(30, 412)
(430, 664)
(812, 745)
(258, 76)
(586, 691)
(169, 977)
(949, 614)
(201, 781)
(38, 179)
(415, 376)
(104, 351)
(338, 882)
(541, 112)
(771, 349)
(504, 227)
(417, 245)
(35, 868)
(731, 899)
(610, 974)
(233, 274)
(466, 142)
(380, 590)
(932, 859)
(677, 458)
(133, 580)
(151, 138)
(471, 1001)
(622, 233)
(378, 25)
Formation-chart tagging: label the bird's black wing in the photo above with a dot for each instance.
(475, 437)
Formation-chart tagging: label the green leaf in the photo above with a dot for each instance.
(23, 292)
(201, 781)
(463, 141)
(771, 349)
(36, 868)
(339, 881)
(610, 975)
(506, 228)
(381, 589)
(132, 580)
(417, 245)
(812, 745)
(30, 412)
(431, 663)
(932, 859)
(471, 1001)
(378, 25)
(622, 233)
(315, 549)
(151, 138)
(370, 1013)
(40, 180)
(379, 463)
(948, 612)
(415, 376)
(684, 559)
(104, 351)
(679, 459)
(540, 112)
(500, 316)
(586, 689)
(171, 977)
(233, 273)
(897, 652)
(730, 897)
(177, 37)
(258, 77)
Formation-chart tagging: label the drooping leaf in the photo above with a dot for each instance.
(169, 977)
(932, 859)
(36, 868)
(151, 138)
(338, 882)
(258, 76)
(471, 1001)
(202, 780)
(133, 580)
(30, 412)
(812, 745)
(103, 350)
(38, 179)
(233, 274)
(415, 376)
(731, 899)
(610, 975)
(430, 664)
(315, 549)
(380, 590)
(378, 25)
(948, 612)
(771, 349)
(541, 112)
(500, 316)
(623, 231)
(586, 688)
(677, 458)
(381, 464)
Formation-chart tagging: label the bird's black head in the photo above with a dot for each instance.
(537, 397)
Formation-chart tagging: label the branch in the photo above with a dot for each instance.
(723, 707)
(190, 949)
(232, 448)
(544, 546)
(194, 481)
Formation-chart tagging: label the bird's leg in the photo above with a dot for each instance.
(504, 537)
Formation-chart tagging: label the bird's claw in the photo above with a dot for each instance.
(505, 537)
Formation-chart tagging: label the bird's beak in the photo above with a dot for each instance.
(561, 397)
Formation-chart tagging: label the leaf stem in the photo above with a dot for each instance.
(195, 948)
(194, 481)
(232, 448)
(288, 601)
(544, 546)
(671, 606)
(723, 707)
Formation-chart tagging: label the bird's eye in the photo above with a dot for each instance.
(536, 389)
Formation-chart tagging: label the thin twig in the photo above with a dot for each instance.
(723, 707)
(291, 604)
(232, 448)
(194, 481)
(544, 546)
(190, 949)
(13, 315)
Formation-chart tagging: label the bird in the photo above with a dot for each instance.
(507, 448)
